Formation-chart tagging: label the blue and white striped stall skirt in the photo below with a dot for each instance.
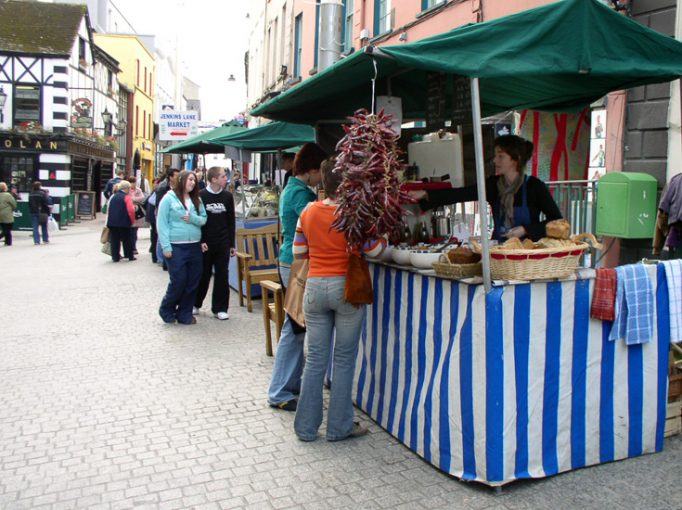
(520, 383)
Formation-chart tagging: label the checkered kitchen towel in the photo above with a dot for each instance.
(604, 295)
(634, 319)
(673, 276)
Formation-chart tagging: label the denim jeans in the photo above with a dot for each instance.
(286, 372)
(35, 223)
(184, 270)
(325, 310)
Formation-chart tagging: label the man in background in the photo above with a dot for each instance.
(120, 172)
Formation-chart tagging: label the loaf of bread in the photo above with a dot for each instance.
(463, 255)
(558, 229)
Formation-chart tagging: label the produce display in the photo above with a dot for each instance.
(369, 197)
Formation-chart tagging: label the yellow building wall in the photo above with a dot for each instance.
(138, 73)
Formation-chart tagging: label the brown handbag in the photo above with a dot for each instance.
(358, 290)
(293, 297)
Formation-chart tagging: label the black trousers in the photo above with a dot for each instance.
(216, 259)
(7, 232)
(120, 236)
(153, 237)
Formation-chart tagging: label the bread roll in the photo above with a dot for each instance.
(558, 229)
(463, 255)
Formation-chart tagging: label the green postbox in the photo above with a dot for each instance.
(626, 205)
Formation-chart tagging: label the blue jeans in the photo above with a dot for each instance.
(325, 310)
(184, 269)
(35, 223)
(288, 367)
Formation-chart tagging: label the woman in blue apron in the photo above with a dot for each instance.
(521, 204)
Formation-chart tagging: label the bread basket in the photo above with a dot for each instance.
(537, 264)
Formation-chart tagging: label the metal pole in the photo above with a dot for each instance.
(480, 182)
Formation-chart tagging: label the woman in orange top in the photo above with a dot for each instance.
(325, 310)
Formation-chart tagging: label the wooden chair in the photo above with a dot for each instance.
(257, 251)
(272, 311)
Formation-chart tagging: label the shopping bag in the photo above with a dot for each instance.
(293, 298)
(358, 289)
(104, 236)
(105, 206)
(106, 248)
(52, 225)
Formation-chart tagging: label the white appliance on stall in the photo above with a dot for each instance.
(435, 155)
(438, 154)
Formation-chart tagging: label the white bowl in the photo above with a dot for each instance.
(401, 256)
(423, 259)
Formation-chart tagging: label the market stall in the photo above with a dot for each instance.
(502, 381)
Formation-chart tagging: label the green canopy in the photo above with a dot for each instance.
(270, 137)
(204, 142)
(558, 57)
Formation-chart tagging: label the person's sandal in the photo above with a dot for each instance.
(358, 430)
(289, 405)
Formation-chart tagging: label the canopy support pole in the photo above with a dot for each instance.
(480, 182)
(276, 170)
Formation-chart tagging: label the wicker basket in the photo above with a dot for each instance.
(446, 269)
(539, 264)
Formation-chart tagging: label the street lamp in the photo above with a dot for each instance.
(3, 99)
(107, 117)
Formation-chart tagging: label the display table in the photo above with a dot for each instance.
(520, 383)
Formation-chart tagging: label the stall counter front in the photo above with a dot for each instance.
(518, 383)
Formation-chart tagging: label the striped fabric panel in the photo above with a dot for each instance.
(520, 383)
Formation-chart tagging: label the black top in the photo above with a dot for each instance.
(539, 200)
(220, 222)
(117, 211)
(38, 203)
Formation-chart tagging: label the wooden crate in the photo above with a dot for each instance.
(673, 422)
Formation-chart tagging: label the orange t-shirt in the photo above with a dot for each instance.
(327, 247)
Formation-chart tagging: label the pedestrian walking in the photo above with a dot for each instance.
(218, 243)
(39, 206)
(120, 218)
(288, 366)
(179, 220)
(164, 187)
(137, 198)
(8, 205)
(109, 187)
(150, 214)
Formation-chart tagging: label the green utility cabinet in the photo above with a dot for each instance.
(626, 205)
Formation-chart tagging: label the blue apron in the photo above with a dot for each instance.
(521, 214)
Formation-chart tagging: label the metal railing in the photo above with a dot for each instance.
(577, 201)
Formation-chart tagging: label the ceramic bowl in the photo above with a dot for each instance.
(423, 259)
(401, 256)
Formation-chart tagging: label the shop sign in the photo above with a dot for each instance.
(178, 125)
(30, 144)
(81, 116)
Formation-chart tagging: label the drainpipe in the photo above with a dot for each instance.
(331, 28)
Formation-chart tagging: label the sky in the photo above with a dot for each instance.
(212, 36)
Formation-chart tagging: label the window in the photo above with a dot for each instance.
(317, 32)
(137, 120)
(149, 125)
(110, 80)
(151, 90)
(19, 171)
(81, 51)
(144, 124)
(137, 80)
(26, 104)
(427, 4)
(348, 8)
(382, 16)
(145, 79)
(298, 44)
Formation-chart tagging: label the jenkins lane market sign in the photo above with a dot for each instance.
(177, 125)
(31, 144)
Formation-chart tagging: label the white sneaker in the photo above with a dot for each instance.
(223, 316)
(195, 310)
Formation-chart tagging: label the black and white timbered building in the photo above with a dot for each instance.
(59, 115)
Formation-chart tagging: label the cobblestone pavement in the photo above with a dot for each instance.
(104, 406)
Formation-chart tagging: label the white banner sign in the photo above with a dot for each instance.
(174, 125)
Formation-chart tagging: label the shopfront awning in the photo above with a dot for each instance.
(558, 57)
(270, 137)
(204, 142)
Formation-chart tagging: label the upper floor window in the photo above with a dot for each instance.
(110, 80)
(137, 80)
(382, 16)
(348, 8)
(81, 51)
(145, 79)
(26, 104)
(298, 44)
(151, 90)
(427, 4)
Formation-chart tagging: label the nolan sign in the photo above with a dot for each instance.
(44, 145)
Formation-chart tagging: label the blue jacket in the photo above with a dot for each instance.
(170, 225)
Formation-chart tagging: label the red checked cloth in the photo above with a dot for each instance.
(604, 295)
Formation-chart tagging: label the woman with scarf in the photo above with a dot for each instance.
(516, 199)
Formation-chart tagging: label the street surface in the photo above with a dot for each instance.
(104, 406)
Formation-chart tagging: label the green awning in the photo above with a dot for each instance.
(558, 57)
(204, 142)
(270, 137)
